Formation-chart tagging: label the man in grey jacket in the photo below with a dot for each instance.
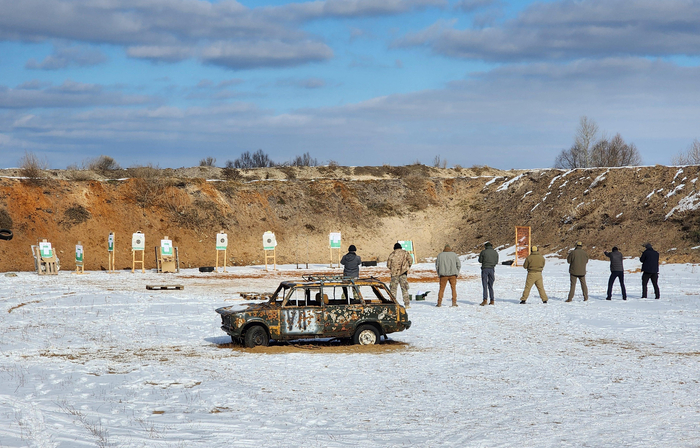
(488, 259)
(616, 271)
(351, 263)
(447, 266)
(577, 259)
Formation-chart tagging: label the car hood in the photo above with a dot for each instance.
(242, 308)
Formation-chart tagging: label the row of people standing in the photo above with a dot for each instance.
(448, 265)
(578, 259)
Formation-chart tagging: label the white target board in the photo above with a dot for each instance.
(334, 240)
(79, 253)
(45, 250)
(221, 241)
(138, 241)
(166, 248)
(269, 241)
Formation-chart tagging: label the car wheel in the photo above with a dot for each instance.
(366, 335)
(256, 336)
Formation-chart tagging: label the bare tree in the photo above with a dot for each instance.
(256, 160)
(590, 151)
(614, 152)
(690, 157)
(578, 156)
(208, 161)
(304, 160)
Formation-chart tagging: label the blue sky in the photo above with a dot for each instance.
(358, 82)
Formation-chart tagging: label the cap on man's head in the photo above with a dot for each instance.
(447, 248)
(579, 244)
(615, 249)
(397, 246)
(488, 244)
(647, 245)
(352, 248)
(533, 249)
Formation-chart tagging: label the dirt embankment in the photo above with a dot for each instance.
(372, 206)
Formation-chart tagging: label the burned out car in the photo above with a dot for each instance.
(318, 307)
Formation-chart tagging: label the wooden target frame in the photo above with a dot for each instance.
(522, 244)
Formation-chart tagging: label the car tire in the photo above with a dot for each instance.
(366, 335)
(256, 336)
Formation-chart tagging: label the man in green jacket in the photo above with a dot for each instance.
(488, 259)
(577, 259)
(447, 266)
(534, 264)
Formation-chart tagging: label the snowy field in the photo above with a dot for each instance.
(97, 360)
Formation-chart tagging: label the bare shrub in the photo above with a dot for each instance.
(207, 161)
(615, 152)
(77, 214)
(32, 167)
(332, 164)
(256, 160)
(290, 172)
(103, 164)
(439, 162)
(304, 160)
(144, 171)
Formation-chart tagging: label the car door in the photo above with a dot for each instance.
(301, 313)
(341, 311)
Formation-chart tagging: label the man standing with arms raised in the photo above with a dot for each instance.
(447, 266)
(577, 259)
(488, 259)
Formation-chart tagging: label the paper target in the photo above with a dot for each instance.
(269, 241)
(221, 241)
(138, 241)
(79, 253)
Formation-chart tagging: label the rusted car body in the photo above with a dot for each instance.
(318, 307)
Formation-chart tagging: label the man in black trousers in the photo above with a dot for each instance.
(650, 270)
(616, 271)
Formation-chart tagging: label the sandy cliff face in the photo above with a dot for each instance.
(372, 207)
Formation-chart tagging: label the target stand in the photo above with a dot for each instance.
(138, 244)
(221, 246)
(270, 249)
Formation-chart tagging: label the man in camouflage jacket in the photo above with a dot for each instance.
(399, 262)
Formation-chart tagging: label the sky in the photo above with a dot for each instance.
(356, 82)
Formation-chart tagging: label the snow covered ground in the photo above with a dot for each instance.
(97, 360)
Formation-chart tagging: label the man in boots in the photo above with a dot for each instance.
(399, 262)
(447, 266)
(534, 264)
(650, 270)
(488, 259)
(577, 259)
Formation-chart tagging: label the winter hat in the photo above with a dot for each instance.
(488, 244)
(352, 248)
(579, 244)
(615, 249)
(648, 245)
(447, 248)
(397, 246)
(533, 249)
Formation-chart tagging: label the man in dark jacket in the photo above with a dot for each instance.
(488, 259)
(577, 259)
(650, 270)
(351, 262)
(616, 271)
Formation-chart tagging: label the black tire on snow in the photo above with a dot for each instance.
(366, 335)
(256, 336)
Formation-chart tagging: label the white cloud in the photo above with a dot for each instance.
(568, 30)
